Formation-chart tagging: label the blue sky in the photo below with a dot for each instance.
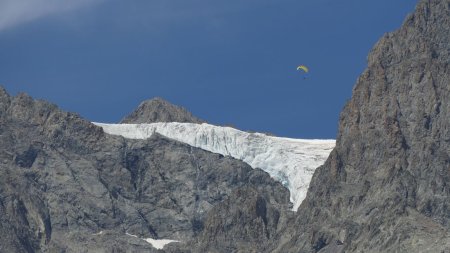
(229, 62)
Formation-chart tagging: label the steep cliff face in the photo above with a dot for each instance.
(159, 110)
(386, 185)
(66, 186)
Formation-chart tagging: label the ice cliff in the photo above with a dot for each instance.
(290, 161)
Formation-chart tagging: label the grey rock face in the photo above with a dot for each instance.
(159, 110)
(245, 222)
(66, 186)
(386, 186)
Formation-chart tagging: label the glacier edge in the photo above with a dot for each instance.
(290, 161)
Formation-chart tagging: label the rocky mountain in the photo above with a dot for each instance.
(386, 185)
(66, 186)
(290, 161)
(159, 110)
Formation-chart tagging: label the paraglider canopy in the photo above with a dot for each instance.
(304, 68)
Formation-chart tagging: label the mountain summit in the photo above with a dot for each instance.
(159, 110)
(385, 187)
(67, 186)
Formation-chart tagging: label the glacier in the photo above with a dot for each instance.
(290, 161)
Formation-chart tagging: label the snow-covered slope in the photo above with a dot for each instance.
(291, 161)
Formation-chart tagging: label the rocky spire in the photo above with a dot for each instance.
(385, 187)
(159, 110)
(5, 100)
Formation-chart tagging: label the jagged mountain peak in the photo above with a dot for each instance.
(4, 100)
(3, 91)
(66, 185)
(63, 182)
(384, 188)
(159, 110)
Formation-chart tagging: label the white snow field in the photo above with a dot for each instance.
(290, 161)
(157, 244)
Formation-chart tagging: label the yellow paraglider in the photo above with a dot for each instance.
(304, 68)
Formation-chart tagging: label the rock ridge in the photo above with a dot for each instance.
(66, 186)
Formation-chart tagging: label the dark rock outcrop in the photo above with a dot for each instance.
(245, 222)
(66, 186)
(386, 185)
(159, 110)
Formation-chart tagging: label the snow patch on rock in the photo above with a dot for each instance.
(156, 243)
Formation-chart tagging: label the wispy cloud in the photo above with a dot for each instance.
(16, 12)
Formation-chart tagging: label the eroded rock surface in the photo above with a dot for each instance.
(66, 186)
(386, 185)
